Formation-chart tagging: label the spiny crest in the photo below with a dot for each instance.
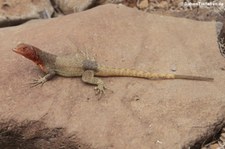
(85, 54)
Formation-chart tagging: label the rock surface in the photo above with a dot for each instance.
(68, 7)
(139, 113)
(13, 12)
(72, 6)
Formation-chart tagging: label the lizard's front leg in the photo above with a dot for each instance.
(44, 79)
(88, 77)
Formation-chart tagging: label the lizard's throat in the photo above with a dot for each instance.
(41, 65)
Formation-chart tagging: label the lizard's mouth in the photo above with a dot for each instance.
(16, 51)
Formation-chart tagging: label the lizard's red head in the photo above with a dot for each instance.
(31, 53)
(28, 51)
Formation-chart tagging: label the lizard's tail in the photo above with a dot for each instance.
(188, 77)
(123, 72)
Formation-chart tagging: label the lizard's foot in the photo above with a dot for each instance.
(100, 90)
(36, 82)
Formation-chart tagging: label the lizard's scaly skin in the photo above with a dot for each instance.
(108, 71)
(80, 66)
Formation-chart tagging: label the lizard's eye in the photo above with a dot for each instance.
(30, 53)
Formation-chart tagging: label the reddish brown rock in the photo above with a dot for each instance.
(139, 113)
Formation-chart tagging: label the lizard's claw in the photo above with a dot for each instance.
(36, 82)
(100, 90)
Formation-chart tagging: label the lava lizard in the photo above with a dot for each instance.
(80, 66)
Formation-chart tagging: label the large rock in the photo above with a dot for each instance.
(13, 12)
(72, 6)
(139, 113)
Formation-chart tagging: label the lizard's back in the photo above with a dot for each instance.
(69, 65)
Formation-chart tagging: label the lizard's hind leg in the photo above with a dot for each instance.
(88, 77)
